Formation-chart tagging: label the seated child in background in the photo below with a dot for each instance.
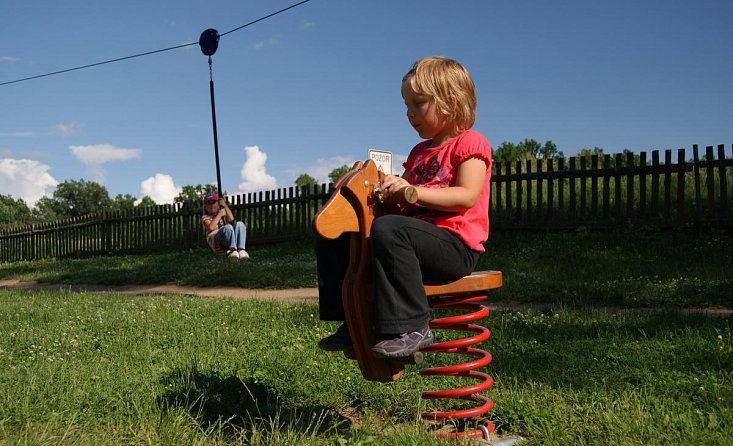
(439, 238)
(221, 236)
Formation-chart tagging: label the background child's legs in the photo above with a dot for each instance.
(240, 235)
(225, 237)
(332, 260)
(406, 251)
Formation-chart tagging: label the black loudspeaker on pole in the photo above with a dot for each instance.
(209, 43)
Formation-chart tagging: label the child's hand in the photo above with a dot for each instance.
(391, 184)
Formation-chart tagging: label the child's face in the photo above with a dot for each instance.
(424, 117)
(212, 207)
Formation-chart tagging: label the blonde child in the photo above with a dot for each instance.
(439, 238)
(221, 235)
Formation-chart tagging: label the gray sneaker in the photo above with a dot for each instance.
(403, 345)
(243, 255)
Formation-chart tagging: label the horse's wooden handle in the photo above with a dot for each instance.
(407, 194)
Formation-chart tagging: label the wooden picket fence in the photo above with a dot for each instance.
(271, 216)
(612, 191)
(597, 192)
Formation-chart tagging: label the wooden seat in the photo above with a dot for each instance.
(477, 281)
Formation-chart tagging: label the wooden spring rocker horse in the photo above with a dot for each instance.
(352, 208)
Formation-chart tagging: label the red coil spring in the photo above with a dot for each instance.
(461, 322)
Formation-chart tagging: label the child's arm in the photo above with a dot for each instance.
(470, 178)
(212, 223)
(227, 212)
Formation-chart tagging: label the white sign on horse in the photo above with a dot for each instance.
(382, 159)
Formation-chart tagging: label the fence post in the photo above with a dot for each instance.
(710, 181)
(698, 194)
(722, 175)
(32, 244)
(681, 173)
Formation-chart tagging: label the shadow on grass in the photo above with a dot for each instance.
(232, 406)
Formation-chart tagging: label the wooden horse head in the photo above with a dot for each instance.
(352, 208)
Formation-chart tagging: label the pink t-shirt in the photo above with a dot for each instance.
(437, 167)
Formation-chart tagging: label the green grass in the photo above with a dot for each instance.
(612, 268)
(286, 265)
(615, 268)
(107, 369)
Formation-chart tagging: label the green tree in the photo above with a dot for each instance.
(528, 149)
(123, 202)
(549, 150)
(338, 173)
(146, 201)
(194, 193)
(44, 210)
(13, 212)
(507, 152)
(126, 202)
(74, 198)
(586, 152)
(625, 157)
(305, 180)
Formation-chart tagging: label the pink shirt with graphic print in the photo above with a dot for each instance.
(437, 167)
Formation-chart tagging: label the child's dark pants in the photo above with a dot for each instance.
(406, 251)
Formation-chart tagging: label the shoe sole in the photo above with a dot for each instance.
(414, 359)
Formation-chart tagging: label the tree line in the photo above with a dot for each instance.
(74, 198)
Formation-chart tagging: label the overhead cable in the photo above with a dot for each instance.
(151, 52)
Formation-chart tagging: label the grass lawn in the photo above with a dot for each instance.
(611, 361)
(614, 268)
(106, 369)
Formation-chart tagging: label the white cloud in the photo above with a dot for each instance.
(96, 155)
(254, 172)
(67, 129)
(26, 179)
(159, 188)
(8, 59)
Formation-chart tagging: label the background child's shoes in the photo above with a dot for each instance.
(233, 256)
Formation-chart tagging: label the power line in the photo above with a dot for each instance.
(152, 52)
(98, 63)
(265, 17)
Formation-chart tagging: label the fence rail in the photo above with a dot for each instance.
(596, 192)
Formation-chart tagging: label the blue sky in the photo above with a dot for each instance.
(317, 86)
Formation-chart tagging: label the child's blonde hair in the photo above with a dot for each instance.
(450, 86)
